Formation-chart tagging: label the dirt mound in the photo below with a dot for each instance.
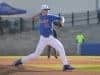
(11, 70)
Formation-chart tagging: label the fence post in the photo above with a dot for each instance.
(88, 17)
(72, 19)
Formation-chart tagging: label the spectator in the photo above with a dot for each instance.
(80, 38)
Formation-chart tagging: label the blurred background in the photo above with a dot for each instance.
(19, 33)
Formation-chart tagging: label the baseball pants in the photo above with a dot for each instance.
(43, 42)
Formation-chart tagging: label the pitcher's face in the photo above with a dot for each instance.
(44, 11)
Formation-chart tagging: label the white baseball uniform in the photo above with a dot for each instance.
(47, 38)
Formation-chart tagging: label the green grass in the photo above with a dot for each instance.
(88, 67)
(82, 67)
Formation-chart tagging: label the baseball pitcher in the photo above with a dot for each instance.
(47, 38)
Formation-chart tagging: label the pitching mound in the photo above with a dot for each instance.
(11, 70)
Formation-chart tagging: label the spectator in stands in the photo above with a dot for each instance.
(98, 16)
(80, 38)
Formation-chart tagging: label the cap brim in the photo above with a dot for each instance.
(45, 9)
(48, 9)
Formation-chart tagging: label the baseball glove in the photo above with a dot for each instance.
(59, 23)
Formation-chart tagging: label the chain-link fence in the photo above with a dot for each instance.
(26, 36)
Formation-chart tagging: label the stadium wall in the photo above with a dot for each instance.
(90, 49)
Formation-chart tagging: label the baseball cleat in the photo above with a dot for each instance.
(18, 63)
(68, 68)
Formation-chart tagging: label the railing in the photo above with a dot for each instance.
(73, 19)
(88, 17)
